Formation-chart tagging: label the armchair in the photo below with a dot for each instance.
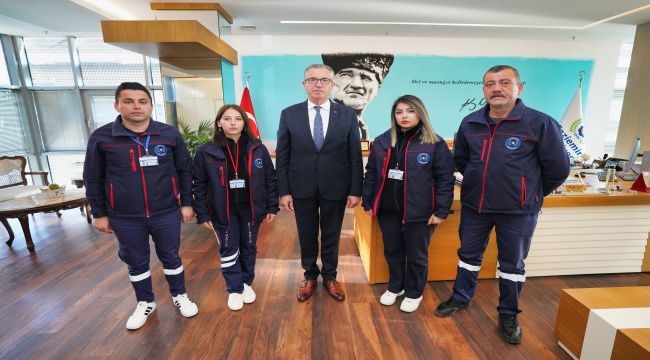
(13, 182)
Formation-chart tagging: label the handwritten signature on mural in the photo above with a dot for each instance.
(472, 104)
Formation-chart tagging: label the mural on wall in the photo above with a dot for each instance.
(357, 78)
(451, 87)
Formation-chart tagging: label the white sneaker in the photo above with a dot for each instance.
(248, 294)
(235, 301)
(185, 305)
(388, 298)
(140, 315)
(410, 305)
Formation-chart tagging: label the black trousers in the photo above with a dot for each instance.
(406, 248)
(311, 214)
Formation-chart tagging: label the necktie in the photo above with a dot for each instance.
(318, 129)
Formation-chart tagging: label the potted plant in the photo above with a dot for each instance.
(195, 138)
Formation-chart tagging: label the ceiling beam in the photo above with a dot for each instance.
(192, 6)
(176, 42)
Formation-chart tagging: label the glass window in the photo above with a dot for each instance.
(61, 120)
(154, 68)
(49, 62)
(158, 112)
(4, 73)
(624, 58)
(66, 168)
(107, 65)
(102, 110)
(12, 133)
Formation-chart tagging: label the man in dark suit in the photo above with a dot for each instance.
(319, 170)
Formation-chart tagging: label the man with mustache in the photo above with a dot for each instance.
(357, 79)
(511, 156)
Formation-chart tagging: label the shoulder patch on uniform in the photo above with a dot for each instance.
(258, 163)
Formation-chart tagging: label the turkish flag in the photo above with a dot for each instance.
(247, 104)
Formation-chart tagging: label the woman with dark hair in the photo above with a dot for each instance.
(235, 190)
(409, 187)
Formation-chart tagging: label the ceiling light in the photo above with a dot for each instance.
(579, 27)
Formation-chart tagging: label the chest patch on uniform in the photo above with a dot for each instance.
(160, 150)
(423, 158)
(513, 143)
(258, 163)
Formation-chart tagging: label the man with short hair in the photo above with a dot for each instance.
(511, 156)
(320, 173)
(138, 177)
(357, 78)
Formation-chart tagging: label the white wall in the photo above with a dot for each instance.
(198, 99)
(604, 53)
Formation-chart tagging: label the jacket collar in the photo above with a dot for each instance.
(118, 128)
(481, 116)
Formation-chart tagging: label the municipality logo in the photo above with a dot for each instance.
(160, 150)
(423, 158)
(258, 163)
(513, 143)
(576, 129)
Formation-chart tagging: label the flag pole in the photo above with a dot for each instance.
(581, 74)
(247, 76)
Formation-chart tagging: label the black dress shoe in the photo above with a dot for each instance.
(449, 307)
(510, 328)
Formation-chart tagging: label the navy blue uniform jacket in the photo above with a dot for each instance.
(116, 184)
(428, 178)
(511, 169)
(336, 171)
(211, 184)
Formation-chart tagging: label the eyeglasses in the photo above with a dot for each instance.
(323, 81)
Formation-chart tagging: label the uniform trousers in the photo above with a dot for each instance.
(133, 238)
(514, 233)
(238, 248)
(312, 213)
(406, 248)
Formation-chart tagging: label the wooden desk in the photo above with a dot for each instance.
(576, 234)
(21, 207)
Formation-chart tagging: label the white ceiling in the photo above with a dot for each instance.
(522, 19)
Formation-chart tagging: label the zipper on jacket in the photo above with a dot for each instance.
(250, 182)
(406, 151)
(175, 189)
(111, 198)
(485, 155)
(523, 191)
(224, 174)
(433, 198)
(132, 156)
(384, 170)
(145, 193)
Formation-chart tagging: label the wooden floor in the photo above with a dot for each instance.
(71, 299)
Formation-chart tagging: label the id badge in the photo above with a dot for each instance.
(395, 174)
(237, 183)
(148, 160)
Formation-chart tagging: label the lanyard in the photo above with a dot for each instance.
(234, 163)
(399, 149)
(145, 145)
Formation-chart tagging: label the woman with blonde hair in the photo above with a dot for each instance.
(409, 187)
